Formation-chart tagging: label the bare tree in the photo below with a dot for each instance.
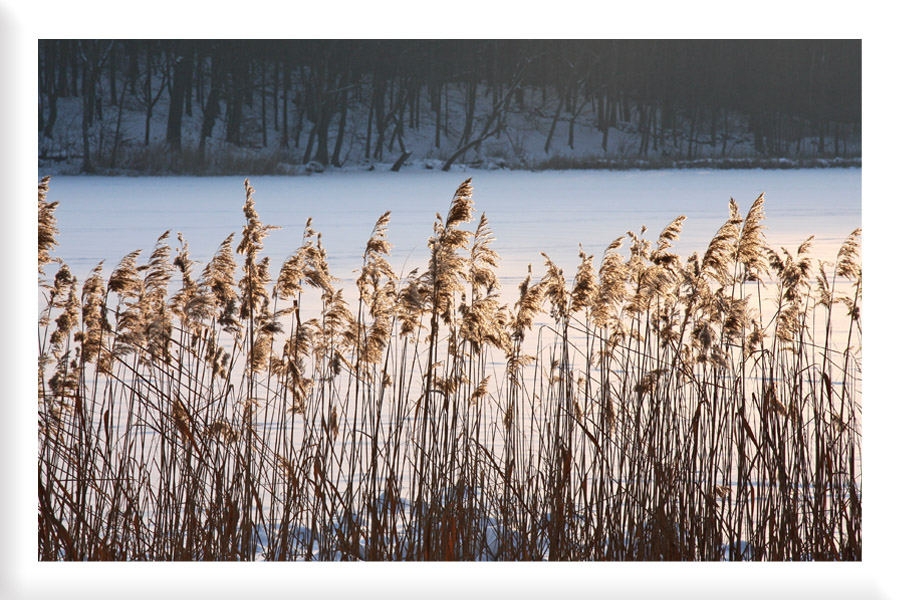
(93, 55)
(148, 97)
(181, 57)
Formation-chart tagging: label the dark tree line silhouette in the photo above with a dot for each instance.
(685, 91)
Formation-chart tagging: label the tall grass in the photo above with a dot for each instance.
(648, 408)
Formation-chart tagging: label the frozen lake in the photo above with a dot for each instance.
(104, 218)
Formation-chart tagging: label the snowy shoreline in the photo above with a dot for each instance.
(71, 167)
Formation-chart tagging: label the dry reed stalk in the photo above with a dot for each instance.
(683, 419)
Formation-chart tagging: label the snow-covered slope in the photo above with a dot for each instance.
(524, 142)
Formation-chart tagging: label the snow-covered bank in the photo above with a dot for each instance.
(257, 164)
(127, 142)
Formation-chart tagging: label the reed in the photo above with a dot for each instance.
(648, 408)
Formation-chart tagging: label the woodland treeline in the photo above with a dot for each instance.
(302, 89)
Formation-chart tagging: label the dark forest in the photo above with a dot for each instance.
(781, 90)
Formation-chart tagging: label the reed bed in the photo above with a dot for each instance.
(649, 407)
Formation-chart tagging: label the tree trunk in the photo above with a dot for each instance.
(310, 141)
(180, 79)
(52, 60)
(837, 139)
(51, 117)
(418, 92)
(45, 82)
(90, 66)
(112, 76)
(644, 127)
(148, 96)
(298, 128)
(446, 112)
(87, 91)
(413, 101)
(655, 121)
(86, 166)
(339, 143)
(724, 131)
(115, 149)
(62, 79)
(437, 117)
(200, 96)
(147, 116)
(369, 125)
(399, 162)
(821, 139)
(321, 128)
(380, 125)
(690, 154)
(285, 129)
(470, 110)
(189, 83)
(463, 150)
(235, 108)
(211, 107)
(602, 123)
(73, 68)
(553, 125)
(133, 66)
(758, 139)
(275, 95)
(577, 111)
(397, 117)
(262, 100)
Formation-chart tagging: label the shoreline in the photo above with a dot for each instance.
(565, 164)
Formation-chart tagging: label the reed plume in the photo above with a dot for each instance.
(648, 409)
(93, 316)
(193, 303)
(586, 286)
(446, 267)
(721, 251)
(47, 230)
(670, 233)
(750, 247)
(611, 289)
(378, 291)
(527, 307)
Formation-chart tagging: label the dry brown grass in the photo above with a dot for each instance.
(667, 412)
